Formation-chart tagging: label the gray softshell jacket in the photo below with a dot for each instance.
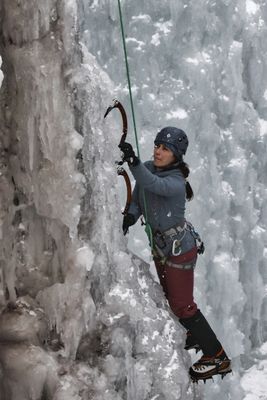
(165, 200)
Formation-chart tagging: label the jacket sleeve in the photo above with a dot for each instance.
(134, 208)
(170, 185)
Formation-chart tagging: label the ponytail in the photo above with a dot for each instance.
(183, 167)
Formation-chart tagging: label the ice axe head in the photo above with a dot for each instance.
(111, 107)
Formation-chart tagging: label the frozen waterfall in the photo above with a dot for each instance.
(82, 315)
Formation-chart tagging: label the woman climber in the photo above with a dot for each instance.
(160, 194)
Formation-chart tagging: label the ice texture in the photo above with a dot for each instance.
(81, 316)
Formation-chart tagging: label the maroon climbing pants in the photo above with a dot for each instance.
(178, 283)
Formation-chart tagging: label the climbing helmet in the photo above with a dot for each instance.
(174, 139)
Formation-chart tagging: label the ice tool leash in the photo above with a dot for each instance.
(124, 118)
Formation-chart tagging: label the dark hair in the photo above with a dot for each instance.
(184, 168)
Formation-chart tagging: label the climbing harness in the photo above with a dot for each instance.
(162, 239)
(196, 236)
(184, 261)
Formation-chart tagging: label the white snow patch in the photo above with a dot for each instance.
(76, 141)
(85, 257)
(206, 57)
(142, 140)
(238, 162)
(201, 57)
(263, 349)
(154, 335)
(142, 17)
(164, 27)
(135, 89)
(172, 366)
(94, 4)
(261, 22)
(224, 97)
(117, 291)
(263, 125)
(257, 231)
(180, 113)
(115, 317)
(145, 340)
(221, 258)
(254, 382)
(252, 7)
(123, 294)
(194, 61)
(236, 45)
(152, 96)
(133, 302)
(139, 44)
(237, 218)
(155, 39)
(227, 188)
(169, 332)
(227, 132)
(142, 282)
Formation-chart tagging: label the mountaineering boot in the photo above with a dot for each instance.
(199, 327)
(208, 366)
(214, 360)
(191, 343)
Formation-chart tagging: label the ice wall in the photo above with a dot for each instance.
(202, 66)
(80, 317)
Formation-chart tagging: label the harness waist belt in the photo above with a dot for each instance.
(172, 231)
(181, 266)
(184, 261)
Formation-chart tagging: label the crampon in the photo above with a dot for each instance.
(207, 367)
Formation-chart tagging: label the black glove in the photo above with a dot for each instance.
(128, 220)
(128, 154)
(201, 248)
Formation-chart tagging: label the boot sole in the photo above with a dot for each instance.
(211, 374)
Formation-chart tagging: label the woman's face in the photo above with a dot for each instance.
(163, 156)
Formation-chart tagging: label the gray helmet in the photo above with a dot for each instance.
(173, 138)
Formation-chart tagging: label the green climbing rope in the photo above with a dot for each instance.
(148, 229)
(128, 77)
